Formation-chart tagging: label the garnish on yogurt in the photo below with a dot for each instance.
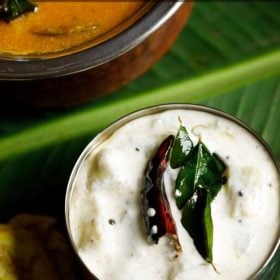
(199, 180)
(156, 208)
(181, 148)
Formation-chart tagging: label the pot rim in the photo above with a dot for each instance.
(33, 69)
(109, 130)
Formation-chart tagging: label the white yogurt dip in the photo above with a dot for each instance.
(106, 222)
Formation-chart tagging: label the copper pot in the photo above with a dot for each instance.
(85, 75)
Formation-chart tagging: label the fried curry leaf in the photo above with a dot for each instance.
(197, 220)
(203, 170)
(198, 182)
(181, 148)
(10, 9)
(185, 186)
(219, 163)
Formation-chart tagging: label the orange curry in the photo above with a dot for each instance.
(56, 26)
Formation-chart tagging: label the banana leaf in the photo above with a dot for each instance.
(227, 57)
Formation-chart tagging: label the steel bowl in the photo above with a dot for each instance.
(107, 132)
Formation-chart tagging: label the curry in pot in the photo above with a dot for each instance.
(57, 26)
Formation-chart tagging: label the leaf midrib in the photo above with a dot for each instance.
(93, 120)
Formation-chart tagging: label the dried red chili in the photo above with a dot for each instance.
(155, 206)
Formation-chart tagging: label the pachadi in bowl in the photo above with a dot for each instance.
(175, 192)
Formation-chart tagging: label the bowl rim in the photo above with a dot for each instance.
(109, 130)
(23, 68)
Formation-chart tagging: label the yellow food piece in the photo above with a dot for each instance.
(35, 223)
(22, 256)
(30, 248)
